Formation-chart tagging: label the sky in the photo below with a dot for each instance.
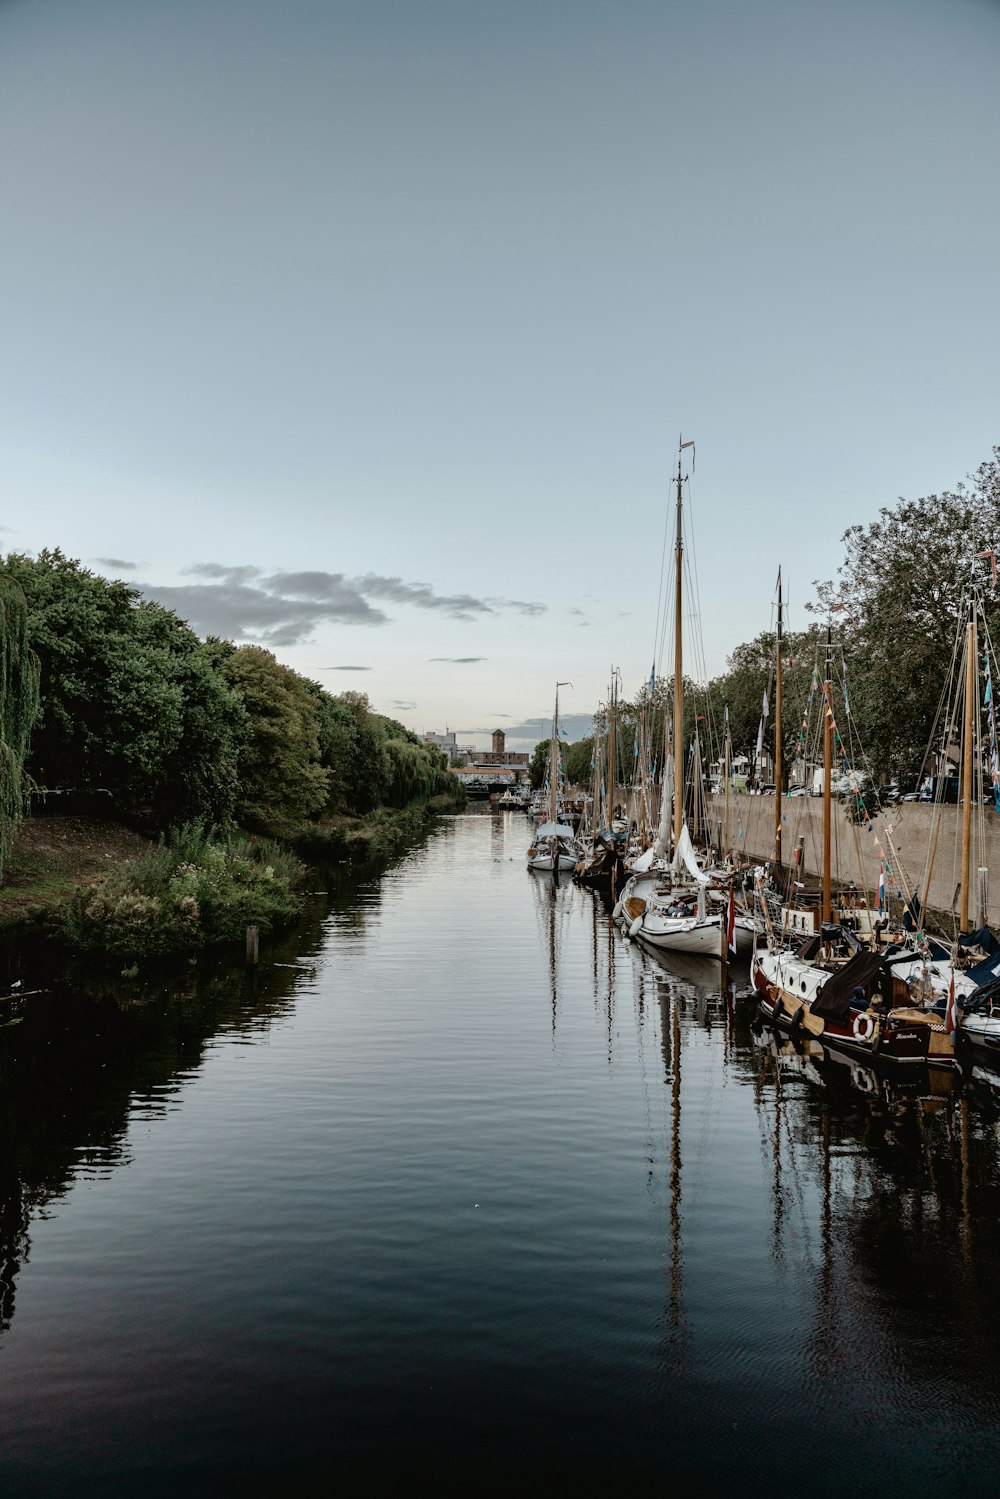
(367, 331)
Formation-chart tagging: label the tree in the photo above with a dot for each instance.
(130, 700)
(578, 761)
(539, 763)
(898, 600)
(19, 699)
(281, 780)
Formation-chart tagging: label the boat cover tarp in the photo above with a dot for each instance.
(644, 863)
(866, 971)
(985, 971)
(684, 854)
(984, 938)
(555, 830)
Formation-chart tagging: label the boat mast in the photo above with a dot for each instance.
(612, 748)
(727, 761)
(678, 669)
(827, 765)
(970, 698)
(554, 763)
(777, 733)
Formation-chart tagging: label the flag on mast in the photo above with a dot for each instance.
(881, 891)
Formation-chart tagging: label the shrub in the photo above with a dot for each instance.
(195, 890)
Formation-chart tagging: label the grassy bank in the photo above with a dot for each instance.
(54, 856)
(379, 835)
(93, 885)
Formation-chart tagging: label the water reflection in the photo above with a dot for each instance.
(91, 1053)
(491, 1189)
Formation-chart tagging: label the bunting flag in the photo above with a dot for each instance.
(881, 888)
(950, 1014)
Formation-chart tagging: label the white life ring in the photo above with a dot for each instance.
(864, 1026)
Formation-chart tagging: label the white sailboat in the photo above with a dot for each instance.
(554, 845)
(670, 902)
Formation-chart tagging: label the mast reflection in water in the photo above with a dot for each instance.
(469, 1190)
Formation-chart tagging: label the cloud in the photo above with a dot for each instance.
(284, 608)
(345, 668)
(118, 563)
(577, 726)
(518, 605)
(459, 660)
(403, 706)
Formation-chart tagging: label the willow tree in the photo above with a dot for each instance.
(19, 696)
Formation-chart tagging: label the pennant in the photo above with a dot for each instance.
(881, 890)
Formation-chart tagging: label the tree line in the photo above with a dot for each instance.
(895, 606)
(107, 689)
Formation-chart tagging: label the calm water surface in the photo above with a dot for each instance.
(469, 1189)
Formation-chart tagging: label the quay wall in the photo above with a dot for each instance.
(907, 826)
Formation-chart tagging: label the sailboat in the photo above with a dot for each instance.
(554, 845)
(670, 902)
(825, 983)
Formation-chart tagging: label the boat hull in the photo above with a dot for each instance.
(786, 989)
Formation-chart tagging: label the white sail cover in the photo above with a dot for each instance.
(554, 830)
(684, 855)
(663, 831)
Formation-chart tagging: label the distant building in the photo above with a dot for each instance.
(445, 741)
(499, 755)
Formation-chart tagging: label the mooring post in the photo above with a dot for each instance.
(253, 936)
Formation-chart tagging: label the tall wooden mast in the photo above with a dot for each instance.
(554, 763)
(678, 669)
(827, 766)
(967, 787)
(777, 732)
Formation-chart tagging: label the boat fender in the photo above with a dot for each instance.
(778, 1010)
(797, 1018)
(636, 927)
(617, 910)
(864, 1026)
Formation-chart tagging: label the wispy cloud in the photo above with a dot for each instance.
(345, 668)
(459, 660)
(284, 608)
(118, 563)
(403, 707)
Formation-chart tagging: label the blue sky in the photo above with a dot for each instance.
(368, 330)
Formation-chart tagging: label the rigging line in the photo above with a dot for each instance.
(660, 597)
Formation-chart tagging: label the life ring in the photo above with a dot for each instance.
(864, 1026)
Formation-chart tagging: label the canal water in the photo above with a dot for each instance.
(466, 1189)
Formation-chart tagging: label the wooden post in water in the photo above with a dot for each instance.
(253, 937)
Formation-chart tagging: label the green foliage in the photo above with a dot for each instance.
(129, 698)
(281, 780)
(577, 761)
(19, 699)
(539, 763)
(898, 601)
(196, 890)
(375, 761)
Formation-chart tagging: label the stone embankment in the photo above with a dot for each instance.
(907, 827)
